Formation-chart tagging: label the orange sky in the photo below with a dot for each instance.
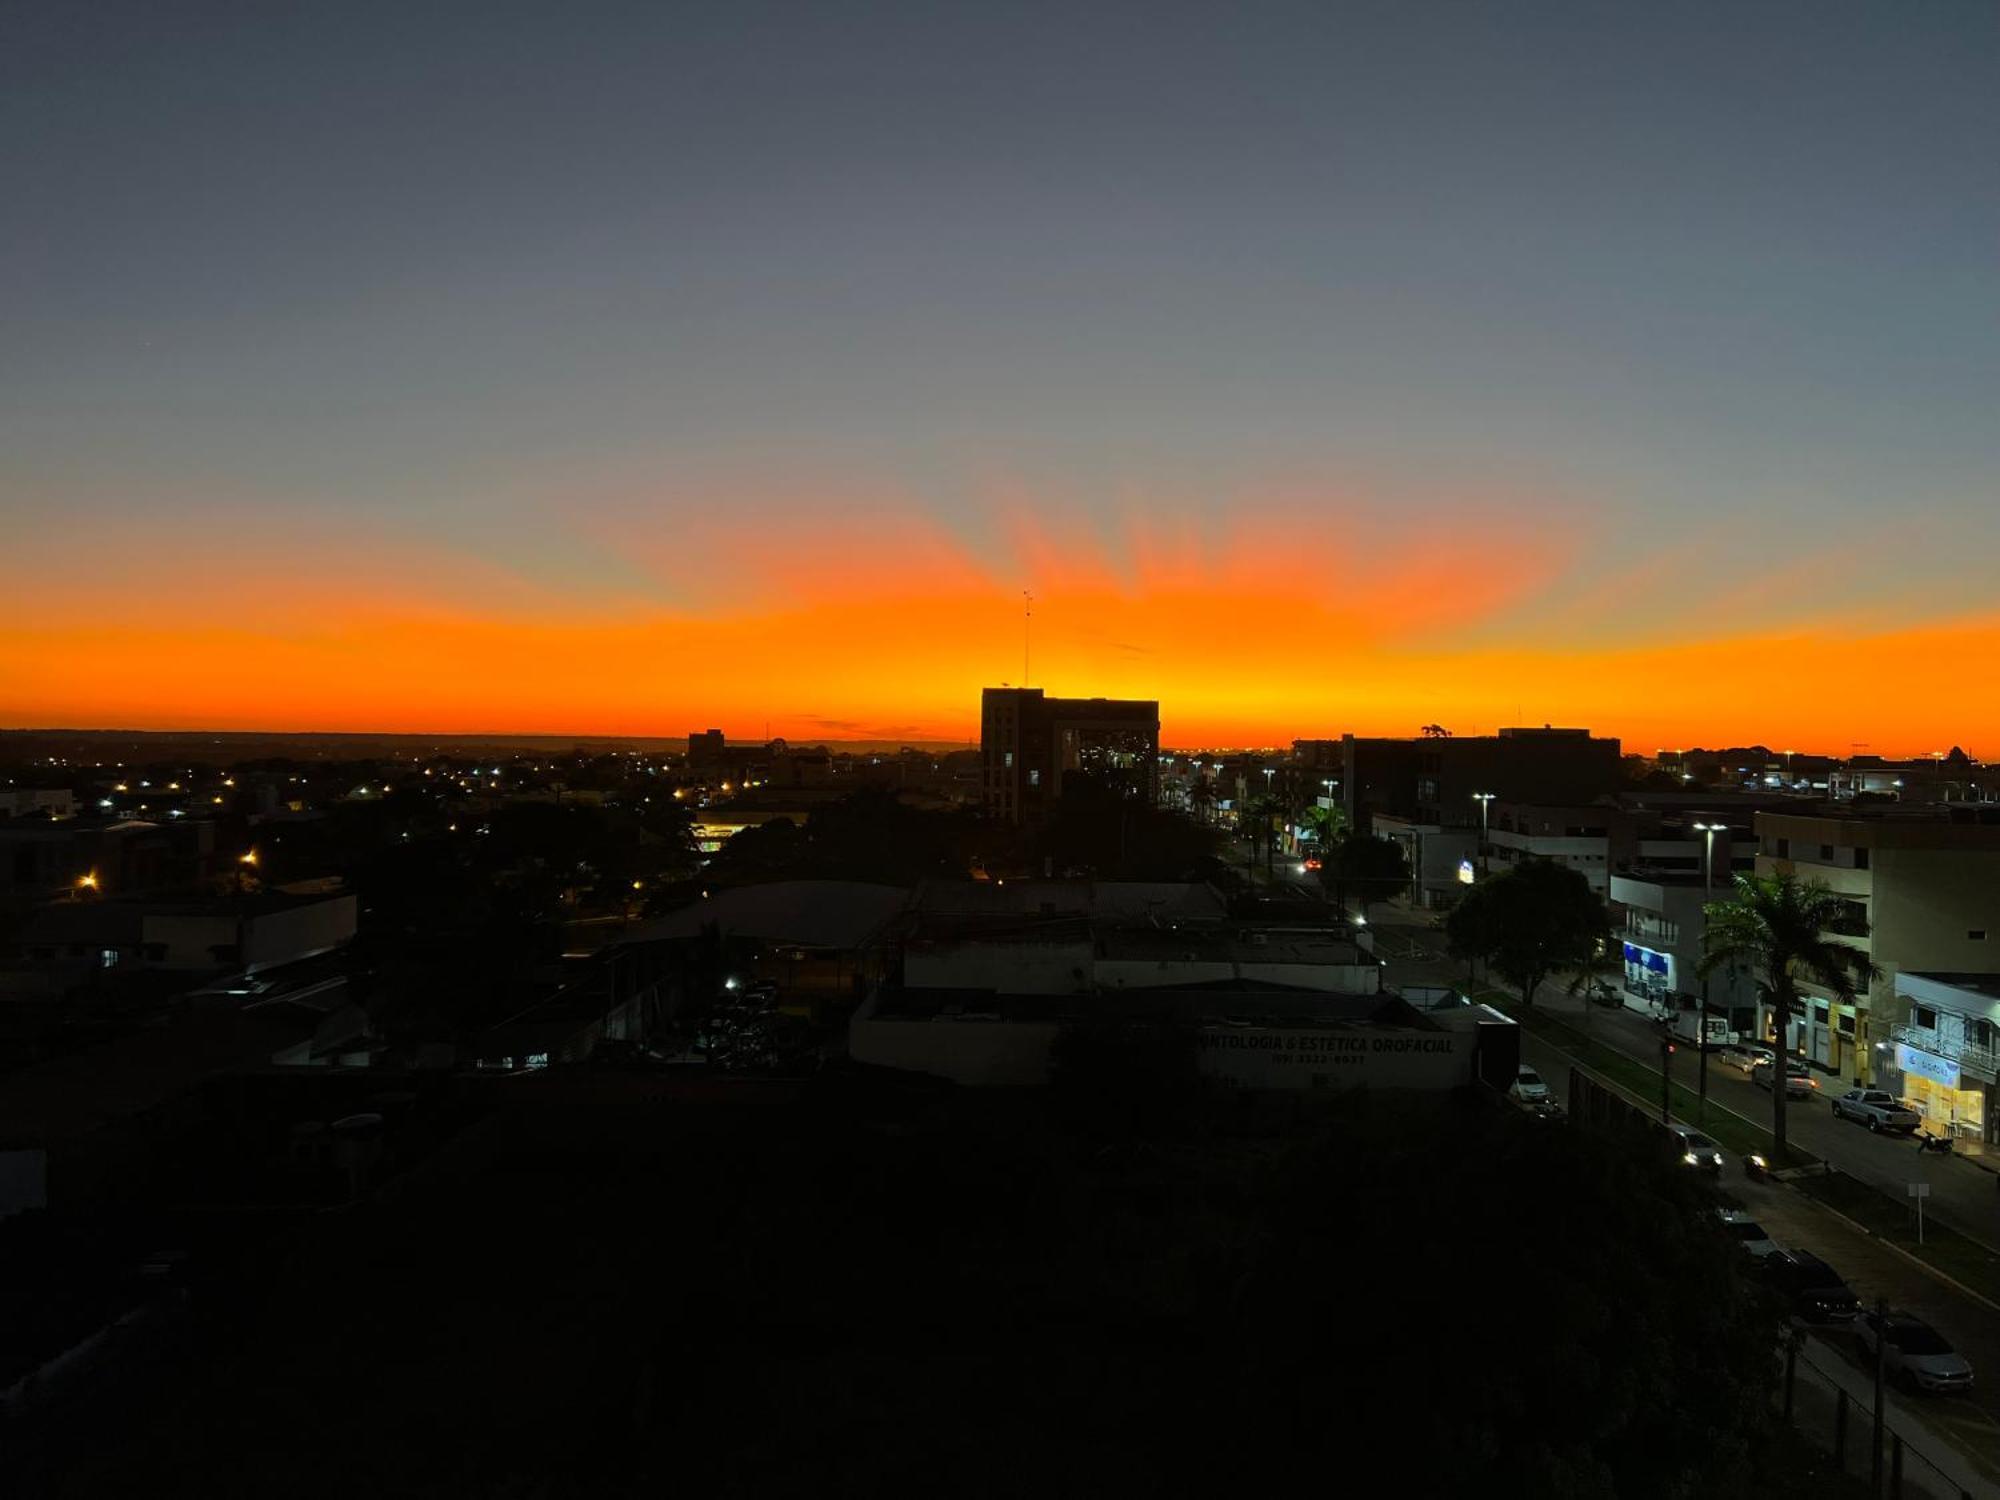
(872, 621)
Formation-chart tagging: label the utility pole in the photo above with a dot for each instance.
(1708, 832)
(1875, 1447)
(1666, 1079)
(1027, 613)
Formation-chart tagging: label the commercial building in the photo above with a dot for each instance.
(206, 934)
(1249, 1037)
(1028, 742)
(1946, 1053)
(1432, 780)
(1925, 881)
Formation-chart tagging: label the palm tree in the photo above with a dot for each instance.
(1201, 799)
(1780, 925)
(1328, 825)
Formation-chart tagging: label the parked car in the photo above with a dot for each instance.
(1746, 1057)
(1799, 1080)
(1748, 1233)
(1697, 1150)
(1875, 1109)
(1812, 1290)
(1528, 1087)
(1914, 1352)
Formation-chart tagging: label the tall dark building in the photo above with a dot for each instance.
(1029, 742)
(706, 750)
(1433, 779)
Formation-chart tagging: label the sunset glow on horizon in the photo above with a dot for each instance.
(879, 622)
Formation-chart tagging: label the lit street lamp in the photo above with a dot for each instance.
(1708, 831)
(1269, 854)
(1484, 799)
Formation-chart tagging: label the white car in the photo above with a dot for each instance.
(1914, 1352)
(1747, 1232)
(1528, 1087)
(1697, 1150)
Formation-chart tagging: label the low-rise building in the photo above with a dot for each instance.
(1443, 860)
(37, 802)
(203, 934)
(1923, 883)
(1946, 1053)
(1253, 1037)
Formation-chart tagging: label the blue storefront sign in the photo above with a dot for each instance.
(1927, 1065)
(1646, 958)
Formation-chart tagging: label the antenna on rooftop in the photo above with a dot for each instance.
(1027, 614)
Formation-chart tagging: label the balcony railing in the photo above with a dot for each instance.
(1969, 1054)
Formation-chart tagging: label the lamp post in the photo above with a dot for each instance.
(1269, 772)
(1708, 831)
(1484, 799)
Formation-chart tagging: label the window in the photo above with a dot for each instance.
(1860, 859)
(1847, 1023)
(1926, 1018)
(1035, 777)
(1784, 848)
(1975, 935)
(1982, 1034)
(1007, 760)
(1826, 853)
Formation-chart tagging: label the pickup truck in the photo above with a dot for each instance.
(1876, 1110)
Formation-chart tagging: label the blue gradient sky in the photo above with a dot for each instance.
(1689, 315)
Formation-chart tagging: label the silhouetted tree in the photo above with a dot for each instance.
(1528, 922)
(1782, 926)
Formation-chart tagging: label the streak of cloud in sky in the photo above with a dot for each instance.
(630, 368)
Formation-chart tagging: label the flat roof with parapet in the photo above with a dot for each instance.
(1138, 900)
(1984, 985)
(1222, 1002)
(808, 913)
(1197, 945)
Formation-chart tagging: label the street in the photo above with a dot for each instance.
(1969, 1423)
(1967, 1196)
(1962, 1195)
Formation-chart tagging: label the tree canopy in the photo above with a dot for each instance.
(1366, 866)
(1532, 920)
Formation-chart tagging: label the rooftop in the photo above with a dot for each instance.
(1986, 985)
(808, 913)
(1225, 1002)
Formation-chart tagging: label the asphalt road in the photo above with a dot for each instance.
(1965, 1196)
(1968, 1424)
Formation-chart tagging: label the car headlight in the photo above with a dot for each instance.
(1691, 1159)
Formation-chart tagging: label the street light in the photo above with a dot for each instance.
(1708, 831)
(1484, 799)
(1269, 841)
